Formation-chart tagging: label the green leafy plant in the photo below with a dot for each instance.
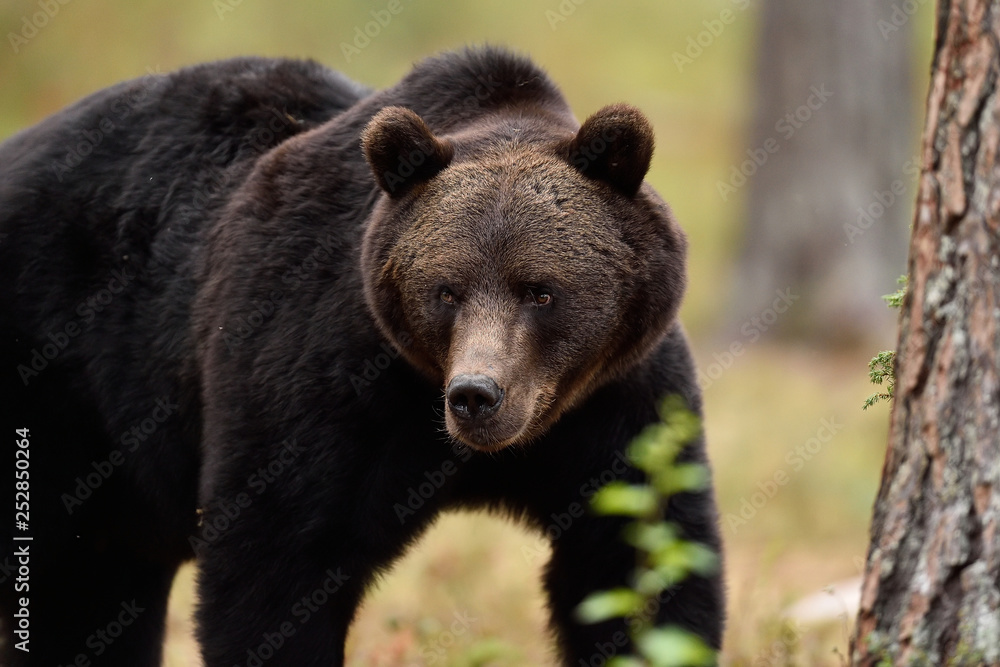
(881, 369)
(665, 559)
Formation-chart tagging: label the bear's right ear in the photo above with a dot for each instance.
(615, 145)
(402, 151)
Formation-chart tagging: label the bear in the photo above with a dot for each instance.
(259, 315)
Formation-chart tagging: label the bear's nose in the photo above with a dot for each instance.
(474, 396)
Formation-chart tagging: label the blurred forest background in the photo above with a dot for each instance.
(787, 137)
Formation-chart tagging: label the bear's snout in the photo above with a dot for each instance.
(474, 396)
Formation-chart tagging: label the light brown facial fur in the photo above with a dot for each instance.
(525, 272)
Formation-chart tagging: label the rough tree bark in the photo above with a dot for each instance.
(832, 134)
(931, 593)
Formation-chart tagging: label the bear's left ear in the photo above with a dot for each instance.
(402, 151)
(614, 145)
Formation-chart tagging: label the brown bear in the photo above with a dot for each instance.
(294, 319)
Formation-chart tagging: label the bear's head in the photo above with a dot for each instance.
(520, 264)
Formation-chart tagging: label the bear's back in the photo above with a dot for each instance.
(126, 178)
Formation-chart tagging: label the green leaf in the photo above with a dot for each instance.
(489, 651)
(681, 477)
(658, 444)
(651, 536)
(674, 647)
(625, 661)
(651, 582)
(653, 449)
(875, 398)
(625, 499)
(704, 560)
(602, 605)
(895, 300)
(684, 425)
(880, 369)
(681, 558)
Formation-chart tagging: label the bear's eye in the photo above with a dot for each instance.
(447, 296)
(539, 297)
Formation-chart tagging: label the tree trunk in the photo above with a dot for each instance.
(830, 171)
(931, 593)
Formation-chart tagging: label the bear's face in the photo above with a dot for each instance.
(525, 271)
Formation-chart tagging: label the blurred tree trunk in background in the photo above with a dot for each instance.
(832, 140)
(932, 583)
